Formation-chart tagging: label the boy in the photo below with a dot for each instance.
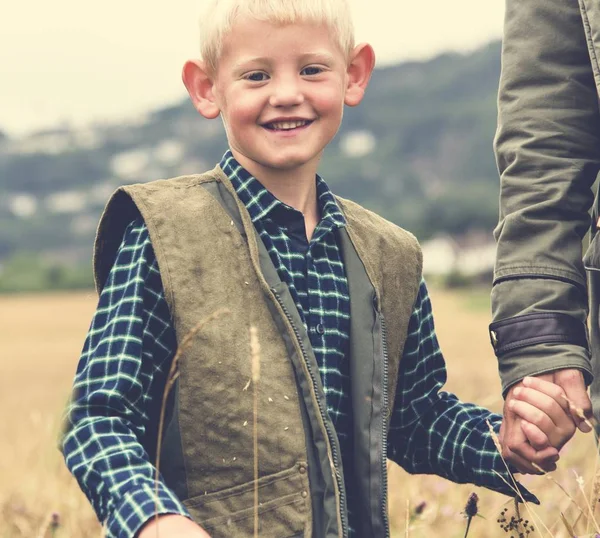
(334, 291)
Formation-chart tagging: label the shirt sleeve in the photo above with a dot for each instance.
(118, 390)
(432, 431)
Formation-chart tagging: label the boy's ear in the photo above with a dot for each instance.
(200, 86)
(359, 72)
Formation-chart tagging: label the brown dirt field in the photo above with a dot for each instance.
(40, 342)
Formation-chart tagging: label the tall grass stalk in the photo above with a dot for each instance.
(514, 486)
(567, 525)
(171, 379)
(591, 423)
(595, 486)
(255, 356)
(552, 479)
(49, 526)
(579, 480)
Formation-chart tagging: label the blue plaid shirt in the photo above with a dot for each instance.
(314, 273)
(131, 341)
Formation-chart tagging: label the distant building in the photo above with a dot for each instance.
(357, 144)
(66, 202)
(471, 255)
(22, 205)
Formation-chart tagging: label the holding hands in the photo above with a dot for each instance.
(539, 420)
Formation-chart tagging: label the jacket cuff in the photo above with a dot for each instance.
(538, 343)
(536, 328)
(138, 506)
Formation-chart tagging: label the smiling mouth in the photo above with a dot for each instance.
(287, 125)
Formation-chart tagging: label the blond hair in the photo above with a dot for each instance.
(220, 15)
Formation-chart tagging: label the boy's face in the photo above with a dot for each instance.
(280, 91)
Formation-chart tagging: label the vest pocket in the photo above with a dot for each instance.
(283, 507)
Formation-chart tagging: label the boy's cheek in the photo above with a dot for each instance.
(329, 97)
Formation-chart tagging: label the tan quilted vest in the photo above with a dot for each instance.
(210, 258)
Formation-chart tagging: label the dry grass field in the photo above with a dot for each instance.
(40, 340)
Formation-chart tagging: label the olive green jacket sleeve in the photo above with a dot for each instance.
(548, 153)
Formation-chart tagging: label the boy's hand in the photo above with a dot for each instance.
(516, 448)
(171, 526)
(546, 416)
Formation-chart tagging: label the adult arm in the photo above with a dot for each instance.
(548, 153)
(117, 393)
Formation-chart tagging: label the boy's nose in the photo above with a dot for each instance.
(286, 93)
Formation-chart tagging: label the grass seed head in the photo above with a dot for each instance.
(471, 506)
(579, 412)
(55, 521)
(420, 508)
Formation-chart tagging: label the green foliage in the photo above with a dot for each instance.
(455, 279)
(26, 272)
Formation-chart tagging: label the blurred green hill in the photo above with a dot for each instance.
(418, 150)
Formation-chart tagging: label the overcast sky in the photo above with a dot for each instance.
(76, 61)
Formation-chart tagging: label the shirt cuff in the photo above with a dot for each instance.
(138, 506)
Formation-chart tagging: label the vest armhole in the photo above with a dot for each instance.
(118, 214)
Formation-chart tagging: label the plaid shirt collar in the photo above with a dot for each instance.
(261, 204)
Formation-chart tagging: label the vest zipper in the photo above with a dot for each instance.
(384, 429)
(330, 438)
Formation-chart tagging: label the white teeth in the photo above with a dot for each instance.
(287, 125)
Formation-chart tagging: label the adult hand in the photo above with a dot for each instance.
(517, 448)
(572, 382)
(172, 526)
(545, 412)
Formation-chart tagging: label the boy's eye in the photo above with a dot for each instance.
(257, 76)
(311, 70)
